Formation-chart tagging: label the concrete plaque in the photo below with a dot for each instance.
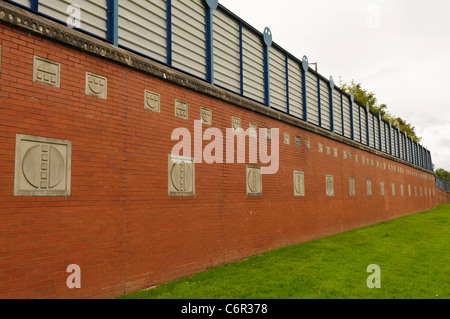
(352, 187)
(268, 133)
(287, 138)
(152, 101)
(299, 183)
(46, 72)
(181, 110)
(206, 116)
(369, 188)
(43, 166)
(330, 185)
(254, 180)
(253, 129)
(96, 86)
(236, 123)
(298, 142)
(307, 144)
(181, 176)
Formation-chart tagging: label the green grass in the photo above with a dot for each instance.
(413, 253)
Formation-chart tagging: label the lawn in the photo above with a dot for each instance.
(413, 254)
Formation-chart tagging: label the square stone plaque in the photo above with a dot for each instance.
(152, 101)
(43, 166)
(181, 110)
(96, 86)
(236, 124)
(206, 116)
(46, 72)
(287, 138)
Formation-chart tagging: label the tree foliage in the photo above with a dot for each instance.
(363, 97)
(443, 175)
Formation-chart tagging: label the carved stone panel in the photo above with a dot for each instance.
(253, 129)
(268, 133)
(369, 188)
(96, 86)
(181, 110)
(382, 188)
(181, 176)
(254, 180)
(206, 116)
(335, 152)
(298, 143)
(393, 189)
(236, 123)
(308, 144)
(299, 183)
(46, 72)
(152, 101)
(352, 187)
(320, 148)
(287, 138)
(43, 166)
(330, 185)
(328, 150)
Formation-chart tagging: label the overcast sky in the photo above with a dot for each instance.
(397, 49)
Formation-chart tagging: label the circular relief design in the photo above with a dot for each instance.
(181, 176)
(298, 184)
(33, 166)
(253, 181)
(329, 186)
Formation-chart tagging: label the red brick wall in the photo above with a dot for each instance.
(119, 225)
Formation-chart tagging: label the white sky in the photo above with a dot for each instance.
(397, 49)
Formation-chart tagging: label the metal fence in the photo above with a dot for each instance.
(204, 39)
(442, 185)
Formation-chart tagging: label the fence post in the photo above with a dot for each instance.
(305, 67)
(169, 31)
(318, 101)
(267, 39)
(352, 124)
(113, 22)
(331, 87)
(34, 5)
(211, 5)
(286, 61)
(379, 131)
(342, 116)
(367, 124)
